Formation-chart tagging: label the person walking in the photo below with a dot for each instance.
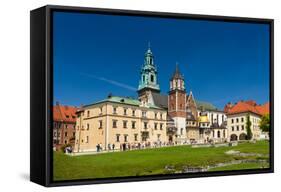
(113, 146)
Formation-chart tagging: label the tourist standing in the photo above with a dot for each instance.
(113, 146)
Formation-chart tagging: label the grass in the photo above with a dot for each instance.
(151, 161)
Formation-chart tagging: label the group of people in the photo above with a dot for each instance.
(133, 146)
(68, 149)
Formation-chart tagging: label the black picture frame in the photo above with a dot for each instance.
(41, 92)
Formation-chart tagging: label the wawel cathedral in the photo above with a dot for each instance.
(188, 120)
(154, 118)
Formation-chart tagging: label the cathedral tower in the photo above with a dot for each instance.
(177, 104)
(149, 81)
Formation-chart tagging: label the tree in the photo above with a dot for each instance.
(265, 123)
(248, 128)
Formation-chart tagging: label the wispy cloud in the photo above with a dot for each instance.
(113, 82)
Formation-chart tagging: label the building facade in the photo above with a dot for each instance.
(155, 118)
(239, 114)
(64, 121)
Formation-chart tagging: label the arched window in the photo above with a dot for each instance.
(152, 78)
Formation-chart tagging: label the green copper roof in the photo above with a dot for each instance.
(205, 105)
(123, 100)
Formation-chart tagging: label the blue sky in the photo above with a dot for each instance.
(95, 55)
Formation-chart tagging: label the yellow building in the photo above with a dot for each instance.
(119, 120)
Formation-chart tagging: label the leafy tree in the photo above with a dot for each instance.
(248, 127)
(265, 123)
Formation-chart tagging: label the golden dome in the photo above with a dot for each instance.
(203, 119)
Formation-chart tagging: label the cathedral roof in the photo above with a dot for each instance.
(206, 106)
(160, 100)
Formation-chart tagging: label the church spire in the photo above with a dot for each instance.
(148, 57)
(177, 80)
(177, 74)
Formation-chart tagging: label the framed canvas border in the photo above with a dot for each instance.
(41, 91)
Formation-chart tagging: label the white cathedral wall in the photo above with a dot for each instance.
(180, 123)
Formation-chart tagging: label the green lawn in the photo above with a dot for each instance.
(152, 161)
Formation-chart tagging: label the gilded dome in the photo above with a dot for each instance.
(203, 119)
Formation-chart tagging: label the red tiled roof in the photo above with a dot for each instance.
(263, 109)
(249, 106)
(64, 113)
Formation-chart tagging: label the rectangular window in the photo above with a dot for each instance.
(124, 124)
(125, 111)
(242, 127)
(145, 125)
(136, 137)
(133, 124)
(114, 110)
(125, 138)
(100, 124)
(114, 123)
(65, 126)
(237, 120)
(232, 121)
(87, 139)
(155, 115)
(161, 116)
(144, 114)
(88, 126)
(133, 113)
(73, 134)
(237, 128)
(161, 126)
(155, 126)
(88, 113)
(242, 119)
(232, 128)
(118, 138)
(65, 134)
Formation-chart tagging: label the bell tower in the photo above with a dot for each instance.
(177, 104)
(148, 82)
